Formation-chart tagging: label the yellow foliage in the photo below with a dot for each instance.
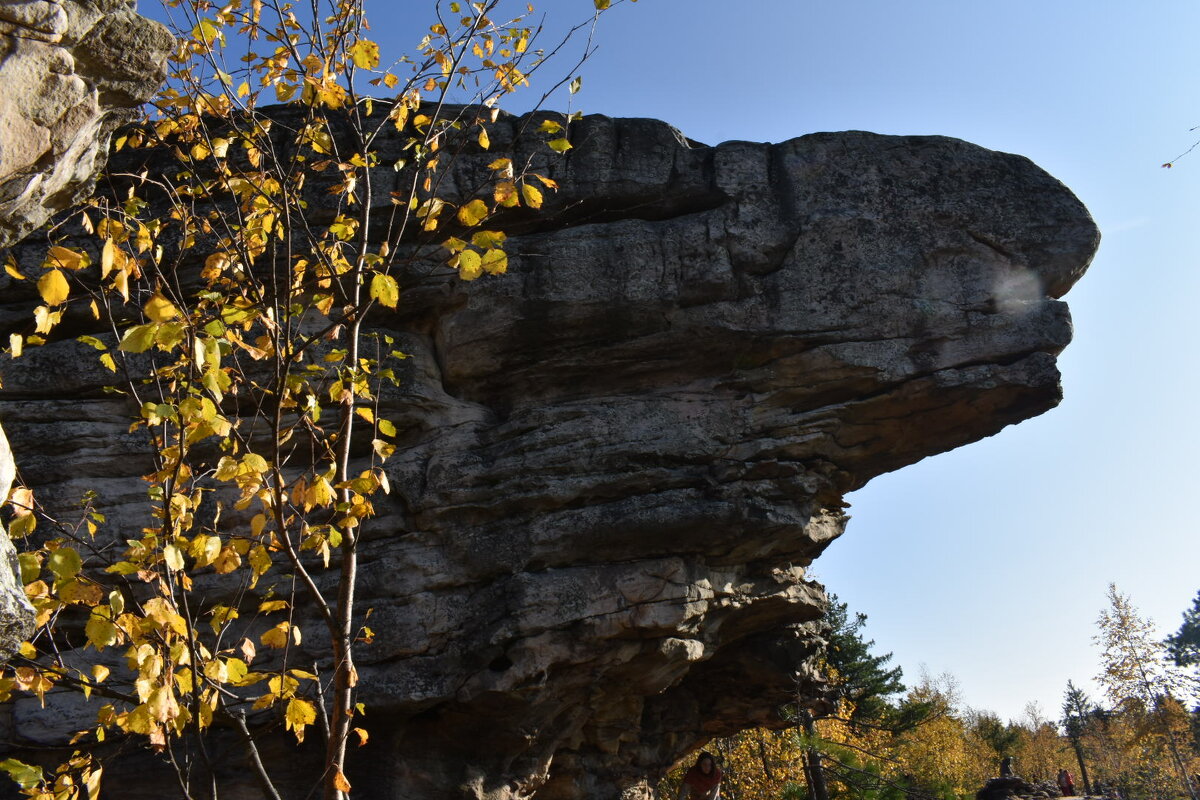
(213, 271)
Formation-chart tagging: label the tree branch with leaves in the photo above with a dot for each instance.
(229, 286)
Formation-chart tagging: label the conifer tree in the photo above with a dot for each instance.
(1077, 707)
(863, 678)
(1184, 644)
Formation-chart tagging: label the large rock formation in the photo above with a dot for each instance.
(71, 72)
(620, 458)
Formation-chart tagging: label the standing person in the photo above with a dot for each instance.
(1066, 783)
(702, 781)
(1006, 767)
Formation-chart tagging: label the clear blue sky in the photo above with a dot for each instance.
(990, 562)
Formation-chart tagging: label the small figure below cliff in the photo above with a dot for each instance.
(703, 780)
(1066, 783)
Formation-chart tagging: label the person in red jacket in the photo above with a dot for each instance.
(1066, 782)
(702, 781)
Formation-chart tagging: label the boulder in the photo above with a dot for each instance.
(617, 462)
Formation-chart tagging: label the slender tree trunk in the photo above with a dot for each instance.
(762, 756)
(813, 773)
(1187, 779)
(1087, 785)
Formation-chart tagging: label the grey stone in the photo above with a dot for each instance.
(72, 71)
(16, 614)
(617, 462)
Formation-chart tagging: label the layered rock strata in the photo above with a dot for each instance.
(619, 459)
(71, 72)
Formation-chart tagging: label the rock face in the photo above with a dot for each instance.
(72, 71)
(16, 614)
(620, 458)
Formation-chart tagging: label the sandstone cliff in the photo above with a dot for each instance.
(71, 72)
(620, 457)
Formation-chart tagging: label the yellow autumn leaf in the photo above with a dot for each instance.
(216, 671)
(206, 32)
(65, 563)
(173, 557)
(66, 258)
(320, 494)
(470, 266)
(108, 257)
(532, 195)
(277, 637)
(138, 339)
(100, 631)
(473, 213)
(299, 714)
(26, 776)
(205, 549)
(365, 54)
(559, 145)
(53, 287)
(485, 240)
(162, 705)
(92, 780)
(385, 289)
(495, 262)
(484, 141)
(160, 309)
(285, 91)
(340, 783)
(505, 194)
(22, 526)
(237, 671)
(227, 561)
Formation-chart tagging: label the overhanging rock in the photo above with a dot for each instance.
(618, 460)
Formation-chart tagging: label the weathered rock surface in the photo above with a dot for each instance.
(72, 71)
(16, 614)
(620, 458)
